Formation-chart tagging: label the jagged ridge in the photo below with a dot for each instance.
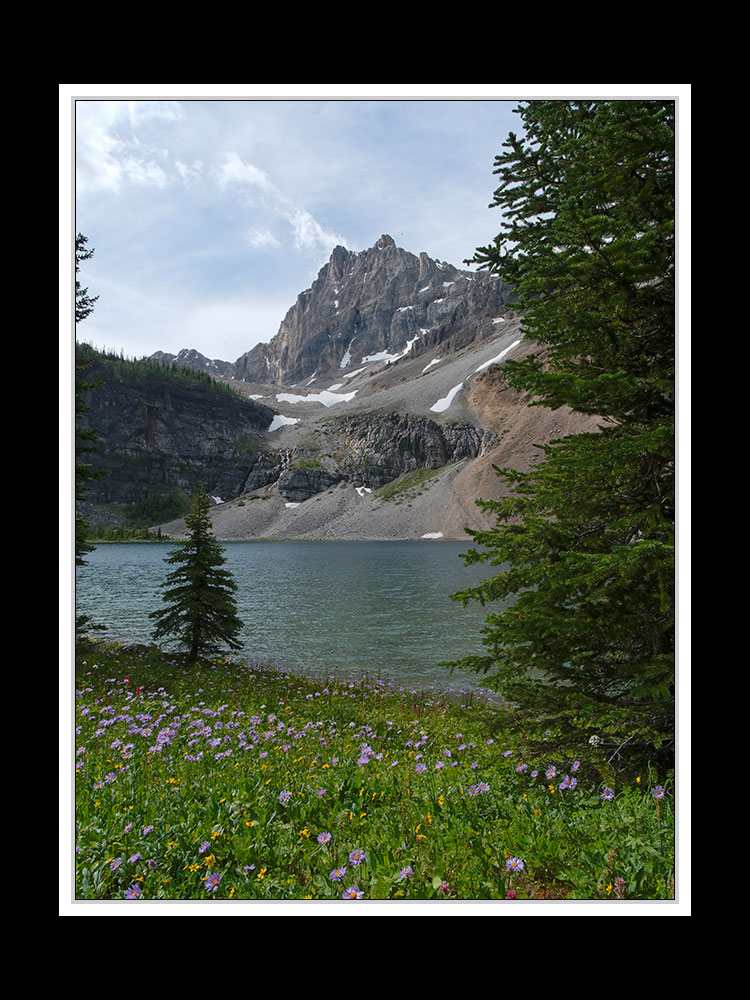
(376, 304)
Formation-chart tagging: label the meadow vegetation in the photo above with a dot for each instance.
(236, 780)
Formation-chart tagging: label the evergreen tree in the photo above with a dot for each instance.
(84, 302)
(200, 612)
(584, 629)
(85, 441)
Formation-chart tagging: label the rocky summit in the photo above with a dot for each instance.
(378, 305)
(378, 411)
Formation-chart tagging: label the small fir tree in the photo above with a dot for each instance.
(200, 612)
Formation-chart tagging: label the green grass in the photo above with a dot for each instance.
(245, 782)
(407, 485)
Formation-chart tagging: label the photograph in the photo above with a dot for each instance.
(374, 432)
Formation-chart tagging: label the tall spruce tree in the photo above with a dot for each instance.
(584, 630)
(85, 440)
(200, 612)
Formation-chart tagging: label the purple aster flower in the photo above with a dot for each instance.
(608, 794)
(284, 797)
(659, 792)
(204, 846)
(357, 856)
(134, 857)
(353, 892)
(405, 872)
(323, 838)
(212, 881)
(514, 865)
(420, 768)
(551, 771)
(134, 892)
(147, 830)
(338, 873)
(115, 864)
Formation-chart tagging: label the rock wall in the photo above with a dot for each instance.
(375, 303)
(157, 431)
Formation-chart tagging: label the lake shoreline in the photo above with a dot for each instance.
(378, 608)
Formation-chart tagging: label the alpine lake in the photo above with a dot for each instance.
(340, 609)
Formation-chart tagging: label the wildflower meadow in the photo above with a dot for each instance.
(228, 780)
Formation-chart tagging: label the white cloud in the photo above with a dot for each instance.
(190, 174)
(97, 166)
(143, 111)
(109, 152)
(307, 233)
(235, 171)
(143, 172)
(261, 239)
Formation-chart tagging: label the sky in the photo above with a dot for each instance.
(209, 213)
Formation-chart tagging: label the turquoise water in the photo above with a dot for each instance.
(380, 609)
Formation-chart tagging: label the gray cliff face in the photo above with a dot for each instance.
(156, 431)
(380, 448)
(388, 338)
(382, 301)
(369, 450)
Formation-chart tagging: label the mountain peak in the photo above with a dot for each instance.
(372, 307)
